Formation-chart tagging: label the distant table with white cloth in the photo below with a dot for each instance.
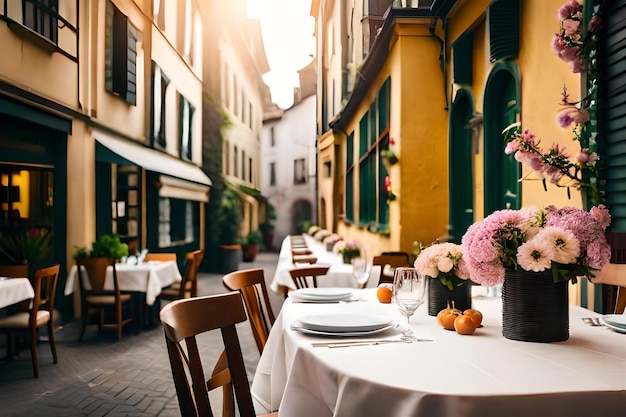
(339, 274)
(148, 277)
(480, 375)
(15, 290)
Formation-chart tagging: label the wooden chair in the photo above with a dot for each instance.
(151, 256)
(251, 284)
(41, 314)
(297, 241)
(14, 271)
(620, 305)
(188, 287)
(392, 259)
(183, 320)
(300, 275)
(97, 299)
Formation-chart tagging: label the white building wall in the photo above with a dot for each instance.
(295, 138)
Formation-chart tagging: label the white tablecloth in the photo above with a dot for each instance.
(339, 274)
(479, 375)
(14, 290)
(150, 277)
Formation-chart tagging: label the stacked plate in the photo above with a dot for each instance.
(342, 325)
(321, 295)
(616, 322)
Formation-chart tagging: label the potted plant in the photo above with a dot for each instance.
(251, 246)
(22, 249)
(105, 246)
(228, 222)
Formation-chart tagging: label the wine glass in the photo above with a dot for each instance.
(409, 290)
(360, 269)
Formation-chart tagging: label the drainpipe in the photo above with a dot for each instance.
(442, 54)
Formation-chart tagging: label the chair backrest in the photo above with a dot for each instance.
(394, 260)
(152, 256)
(96, 270)
(620, 304)
(14, 271)
(189, 285)
(301, 274)
(45, 287)
(183, 320)
(251, 284)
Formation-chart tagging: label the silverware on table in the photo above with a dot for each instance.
(366, 342)
(592, 321)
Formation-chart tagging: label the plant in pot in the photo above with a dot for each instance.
(251, 246)
(105, 246)
(22, 249)
(228, 222)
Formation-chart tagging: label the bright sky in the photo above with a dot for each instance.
(289, 43)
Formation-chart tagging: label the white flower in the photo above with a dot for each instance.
(565, 246)
(534, 255)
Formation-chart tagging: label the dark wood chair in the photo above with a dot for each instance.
(182, 321)
(306, 276)
(188, 287)
(251, 284)
(394, 260)
(41, 314)
(96, 300)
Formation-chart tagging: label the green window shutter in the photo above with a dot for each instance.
(504, 26)
(131, 64)
(108, 48)
(612, 111)
(363, 134)
(383, 206)
(384, 101)
(462, 51)
(349, 194)
(372, 126)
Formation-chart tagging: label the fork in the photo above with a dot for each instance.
(592, 321)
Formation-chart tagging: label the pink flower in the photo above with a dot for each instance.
(601, 214)
(595, 24)
(569, 115)
(534, 256)
(571, 26)
(569, 9)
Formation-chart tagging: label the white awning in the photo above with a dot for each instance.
(184, 190)
(153, 160)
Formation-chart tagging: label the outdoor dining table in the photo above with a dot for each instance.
(453, 375)
(147, 277)
(15, 290)
(339, 274)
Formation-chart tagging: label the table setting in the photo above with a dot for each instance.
(329, 356)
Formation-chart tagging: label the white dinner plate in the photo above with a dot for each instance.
(618, 329)
(618, 320)
(343, 323)
(298, 327)
(321, 295)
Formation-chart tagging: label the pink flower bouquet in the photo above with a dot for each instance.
(568, 241)
(445, 262)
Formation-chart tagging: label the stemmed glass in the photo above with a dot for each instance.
(360, 268)
(409, 290)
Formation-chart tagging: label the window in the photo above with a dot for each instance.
(272, 137)
(41, 17)
(242, 175)
(272, 174)
(350, 178)
(26, 199)
(235, 161)
(373, 138)
(299, 171)
(250, 169)
(121, 55)
(160, 82)
(177, 229)
(226, 157)
(504, 29)
(185, 128)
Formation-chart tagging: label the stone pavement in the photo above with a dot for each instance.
(104, 377)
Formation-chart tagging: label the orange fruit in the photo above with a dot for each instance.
(384, 294)
(475, 315)
(464, 325)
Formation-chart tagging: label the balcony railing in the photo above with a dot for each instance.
(49, 24)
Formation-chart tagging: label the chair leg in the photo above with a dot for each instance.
(33, 351)
(119, 321)
(53, 346)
